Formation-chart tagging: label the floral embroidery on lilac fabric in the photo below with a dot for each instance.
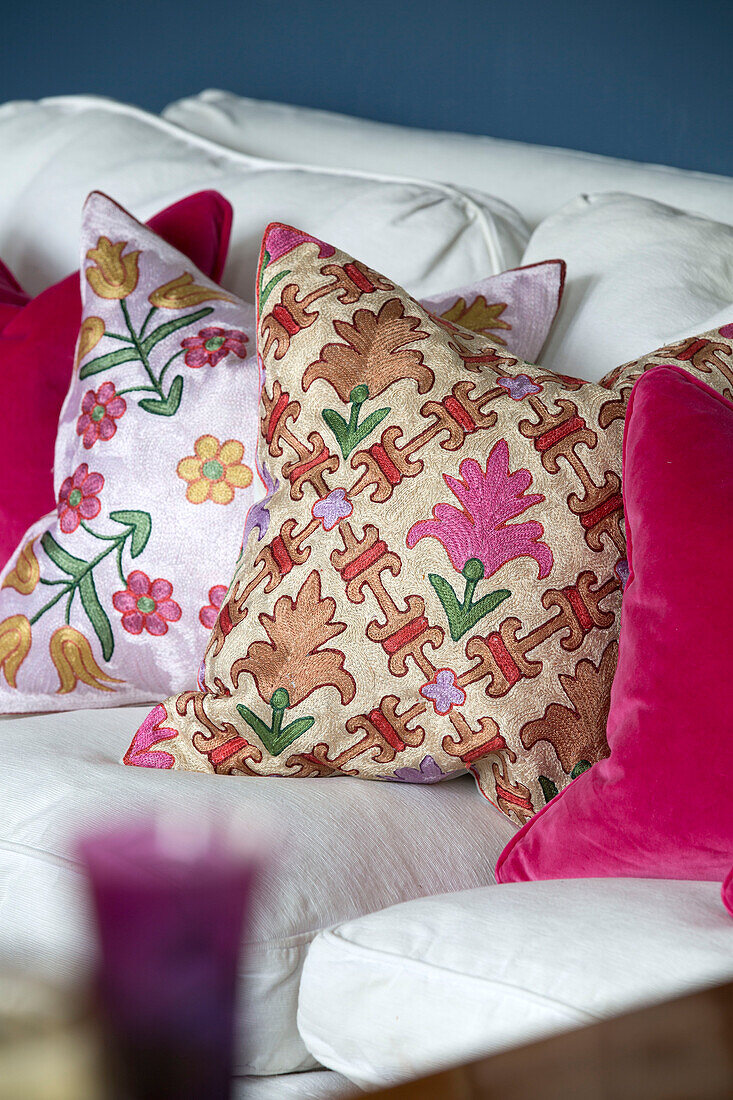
(443, 691)
(212, 345)
(79, 498)
(146, 604)
(210, 611)
(332, 509)
(520, 387)
(99, 411)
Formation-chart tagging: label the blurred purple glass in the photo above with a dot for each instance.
(170, 907)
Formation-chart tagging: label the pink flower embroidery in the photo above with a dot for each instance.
(98, 414)
(282, 239)
(479, 530)
(146, 604)
(332, 509)
(212, 345)
(443, 691)
(520, 387)
(210, 612)
(151, 733)
(78, 498)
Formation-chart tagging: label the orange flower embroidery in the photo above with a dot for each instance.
(15, 644)
(90, 333)
(26, 574)
(113, 275)
(183, 292)
(73, 660)
(214, 471)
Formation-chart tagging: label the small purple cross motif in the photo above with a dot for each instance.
(429, 772)
(622, 572)
(519, 387)
(443, 691)
(332, 509)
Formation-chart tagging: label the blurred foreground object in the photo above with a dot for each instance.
(170, 900)
(48, 1048)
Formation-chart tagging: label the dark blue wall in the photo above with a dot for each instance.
(647, 79)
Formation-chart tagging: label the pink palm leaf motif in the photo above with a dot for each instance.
(478, 537)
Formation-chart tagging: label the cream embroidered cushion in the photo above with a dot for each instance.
(434, 581)
(113, 598)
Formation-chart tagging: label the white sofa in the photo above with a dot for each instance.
(381, 896)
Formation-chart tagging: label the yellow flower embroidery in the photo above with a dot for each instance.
(113, 275)
(26, 574)
(73, 659)
(214, 471)
(15, 644)
(90, 333)
(183, 292)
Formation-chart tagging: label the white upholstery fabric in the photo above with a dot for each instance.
(639, 274)
(535, 179)
(430, 237)
(313, 1085)
(344, 848)
(445, 979)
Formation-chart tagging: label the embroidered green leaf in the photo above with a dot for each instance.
(275, 741)
(549, 790)
(580, 767)
(167, 406)
(369, 425)
(464, 616)
(96, 615)
(106, 362)
(255, 723)
(162, 331)
(140, 524)
(483, 606)
(266, 290)
(450, 603)
(350, 435)
(65, 561)
(289, 733)
(338, 426)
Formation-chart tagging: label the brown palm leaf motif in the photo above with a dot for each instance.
(578, 732)
(480, 316)
(293, 659)
(375, 353)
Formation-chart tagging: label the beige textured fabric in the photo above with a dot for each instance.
(434, 582)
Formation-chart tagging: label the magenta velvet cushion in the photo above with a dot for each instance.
(37, 340)
(660, 806)
(727, 892)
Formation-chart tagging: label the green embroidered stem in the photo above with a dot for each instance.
(141, 352)
(351, 434)
(171, 360)
(70, 586)
(151, 311)
(465, 615)
(276, 737)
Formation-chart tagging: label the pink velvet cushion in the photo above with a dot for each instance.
(727, 892)
(660, 806)
(37, 339)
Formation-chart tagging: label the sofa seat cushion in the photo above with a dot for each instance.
(441, 980)
(341, 848)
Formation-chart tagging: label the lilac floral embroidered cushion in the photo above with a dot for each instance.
(106, 601)
(112, 600)
(439, 559)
